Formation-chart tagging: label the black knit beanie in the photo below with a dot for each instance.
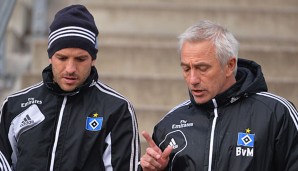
(73, 27)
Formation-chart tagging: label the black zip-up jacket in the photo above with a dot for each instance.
(243, 129)
(92, 128)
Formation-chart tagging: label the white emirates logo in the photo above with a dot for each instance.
(183, 124)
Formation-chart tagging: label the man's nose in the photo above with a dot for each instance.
(194, 77)
(70, 67)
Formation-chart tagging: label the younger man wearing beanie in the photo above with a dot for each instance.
(70, 120)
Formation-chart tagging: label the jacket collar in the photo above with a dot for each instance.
(249, 80)
(47, 76)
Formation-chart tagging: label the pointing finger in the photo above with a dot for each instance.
(149, 140)
(166, 153)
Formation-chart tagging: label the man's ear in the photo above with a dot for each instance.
(230, 67)
(93, 62)
(50, 60)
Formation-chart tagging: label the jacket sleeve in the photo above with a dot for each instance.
(123, 145)
(5, 148)
(286, 141)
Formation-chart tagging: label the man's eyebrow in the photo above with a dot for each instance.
(183, 64)
(194, 64)
(81, 56)
(60, 55)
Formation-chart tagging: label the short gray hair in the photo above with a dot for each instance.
(225, 43)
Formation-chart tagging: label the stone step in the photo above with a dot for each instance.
(253, 3)
(165, 92)
(148, 116)
(149, 90)
(39, 54)
(285, 88)
(277, 63)
(173, 18)
(131, 56)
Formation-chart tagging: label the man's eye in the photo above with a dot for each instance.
(185, 69)
(62, 58)
(81, 59)
(203, 68)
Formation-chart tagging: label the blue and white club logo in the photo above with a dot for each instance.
(94, 123)
(246, 139)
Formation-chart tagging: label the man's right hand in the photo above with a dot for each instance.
(154, 159)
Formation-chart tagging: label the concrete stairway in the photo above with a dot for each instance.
(138, 55)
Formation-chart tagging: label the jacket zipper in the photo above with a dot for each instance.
(57, 134)
(212, 135)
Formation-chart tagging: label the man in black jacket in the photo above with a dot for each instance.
(231, 122)
(70, 120)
